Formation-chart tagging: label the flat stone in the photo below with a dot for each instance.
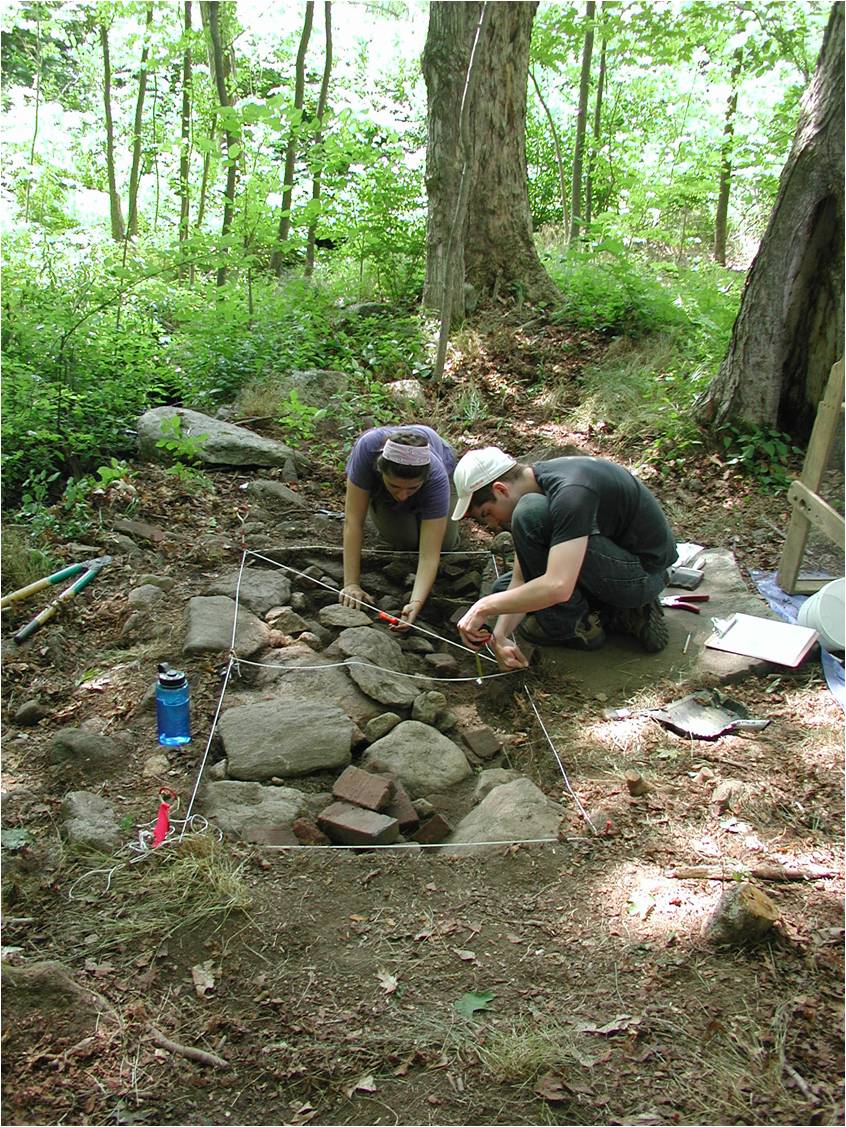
(90, 819)
(372, 645)
(492, 777)
(380, 726)
(285, 738)
(422, 758)
(343, 617)
(516, 811)
(483, 742)
(210, 621)
(244, 808)
(218, 443)
(402, 808)
(83, 749)
(382, 684)
(260, 588)
(277, 492)
(442, 664)
(308, 833)
(299, 672)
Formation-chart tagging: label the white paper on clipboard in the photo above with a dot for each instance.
(782, 643)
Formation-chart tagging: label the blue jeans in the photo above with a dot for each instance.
(610, 576)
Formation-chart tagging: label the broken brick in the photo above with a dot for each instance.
(361, 788)
(483, 742)
(402, 809)
(308, 833)
(352, 825)
(433, 831)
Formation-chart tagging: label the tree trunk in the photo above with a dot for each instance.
(581, 122)
(135, 171)
(318, 139)
(278, 259)
(115, 210)
(219, 62)
(559, 160)
(492, 249)
(789, 330)
(38, 64)
(721, 218)
(185, 137)
(597, 133)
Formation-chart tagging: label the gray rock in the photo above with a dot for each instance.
(380, 725)
(316, 386)
(145, 597)
(164, 581)
(417, 645)
(492, 777)
(516, 811)
(250, 810)
(83, 749)
(298, 672)
(29, 713)
(210, 622)
(382, 684)
(275, 491)
(421, 757)
(371, 645)
(261, 588)
(428, 707)
(406, 393)
(90, 819)
(285, 738)
(218, 443)
(343, 617)
(287, 620)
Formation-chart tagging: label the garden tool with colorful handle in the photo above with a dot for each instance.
(90, 569)
(684, 602)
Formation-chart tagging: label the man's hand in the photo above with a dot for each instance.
(353, 596)
(509, 655)
(472, 628)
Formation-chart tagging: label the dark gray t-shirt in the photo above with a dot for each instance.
(591, 495)
(431, 501)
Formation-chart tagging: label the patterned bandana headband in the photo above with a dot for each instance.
(405, 455)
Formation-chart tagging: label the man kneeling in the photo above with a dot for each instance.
(592, 549)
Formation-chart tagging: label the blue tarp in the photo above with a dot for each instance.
(788, 607)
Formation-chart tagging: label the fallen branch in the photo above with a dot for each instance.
(199, 1055)
(758, 872)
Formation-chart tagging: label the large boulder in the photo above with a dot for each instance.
(260, 588)
(515, 811)
(383, 685)
(285, 738)
(372, 645)
(254, 812)
(210, 620)
(217, 443)
(422, 758)
(296, 671)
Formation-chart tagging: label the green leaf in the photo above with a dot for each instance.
(13, 839)
(468, 1003)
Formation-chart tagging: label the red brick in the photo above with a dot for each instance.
(308, 833)
(483, 742)
(402, 809)
(352, 825)
(433, 831)
(361, 788)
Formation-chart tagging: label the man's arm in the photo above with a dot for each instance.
(355, 512)
(555, 586)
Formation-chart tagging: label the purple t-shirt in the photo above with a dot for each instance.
(431, 501)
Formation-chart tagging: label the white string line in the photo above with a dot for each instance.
(376, 610)
(212, 731)
(415, 845)
(570, 790)
(371, 665)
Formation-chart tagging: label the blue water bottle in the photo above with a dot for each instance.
(172, 711)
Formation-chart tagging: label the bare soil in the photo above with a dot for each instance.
(330, 997)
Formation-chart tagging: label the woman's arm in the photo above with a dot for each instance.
(355, 512)
(431, 538)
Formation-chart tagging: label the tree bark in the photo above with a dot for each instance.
(721, 217)
(492, 250)
(135, 170)
(218, 60)
(115, 210)
(597, 133)
(789, 330)
(581, 123)
(278, 258)
(185, 136)
(317, 175)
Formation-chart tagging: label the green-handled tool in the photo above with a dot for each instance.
(90, 569)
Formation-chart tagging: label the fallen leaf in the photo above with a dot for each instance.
(550, 1087)
(467, 956)
(469, 1003)
(387, 981)
(304, 1114)
(364, 1084)
(203, 978)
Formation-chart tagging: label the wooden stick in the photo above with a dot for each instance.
(759, 872)
(198, 1055)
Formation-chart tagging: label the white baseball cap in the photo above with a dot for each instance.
(478, 468)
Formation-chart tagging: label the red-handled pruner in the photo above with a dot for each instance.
(391, 619)
(687, 601)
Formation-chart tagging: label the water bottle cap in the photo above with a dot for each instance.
(171, 678)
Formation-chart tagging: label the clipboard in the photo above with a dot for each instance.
(782, 643)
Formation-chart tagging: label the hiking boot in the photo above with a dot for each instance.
(647, 624)
(588, 634)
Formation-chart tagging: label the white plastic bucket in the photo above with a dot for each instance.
(825, 612)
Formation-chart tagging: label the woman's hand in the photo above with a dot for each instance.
(407, 615)
(353, 596)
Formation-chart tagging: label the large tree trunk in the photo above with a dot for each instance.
(185, 135)
(581, 124)
(278, 259)
(789, 330)
(115, 210)
(220, 68)
(492, 250)
(135, 170)
(721, 217)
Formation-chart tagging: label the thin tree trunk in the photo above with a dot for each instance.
(210, 11)
(721, 218)
(185, 137)
(37, 110)
(559, 160)
(115, 210)
(581, 123)
(277, 260)
(597, 133)
(204, 182)
(318, 139)
(135, 171)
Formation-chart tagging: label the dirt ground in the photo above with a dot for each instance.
(557, 984)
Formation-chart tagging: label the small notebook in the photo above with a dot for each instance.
(766, 638)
